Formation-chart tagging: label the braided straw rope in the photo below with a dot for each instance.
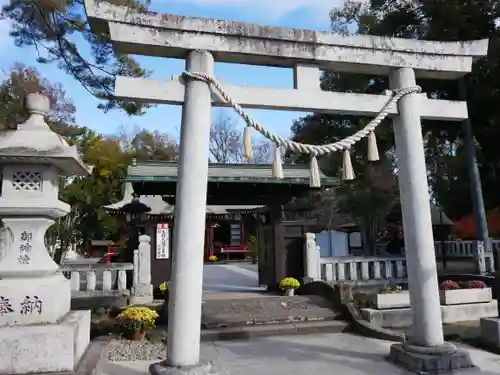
(296, 147)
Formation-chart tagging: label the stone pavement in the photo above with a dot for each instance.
(231, 278)
(338, 353)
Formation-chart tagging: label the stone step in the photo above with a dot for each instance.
(227, 313)
(264, 330)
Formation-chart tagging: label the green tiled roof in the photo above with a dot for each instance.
(157, 171)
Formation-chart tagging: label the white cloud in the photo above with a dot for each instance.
(270, 9)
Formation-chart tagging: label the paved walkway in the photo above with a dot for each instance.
(336, 354)
(231, 278)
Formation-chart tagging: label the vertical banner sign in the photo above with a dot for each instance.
(162, 241)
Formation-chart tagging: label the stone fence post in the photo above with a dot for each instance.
(142, 290)
(136, 269)
(479, 257)
(311, 257)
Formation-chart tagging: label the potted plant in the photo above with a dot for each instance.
(161, 291)
(288, 285)
(134, 322)
(164, 290)
(473, 291)
(212, 258)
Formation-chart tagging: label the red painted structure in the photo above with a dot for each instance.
(225, 236)
(111, 251)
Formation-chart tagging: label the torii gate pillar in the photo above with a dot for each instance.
(184, 310)
(426, 351)
(417, 222)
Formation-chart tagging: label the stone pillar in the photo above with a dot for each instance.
(35, 297)
(311, 257)
(417, 223)
(427, 333)
(479, 256)
(142, 291)
(184, 313)
(318, 261)
(136, 267)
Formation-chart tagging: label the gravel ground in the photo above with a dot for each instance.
(144, 350)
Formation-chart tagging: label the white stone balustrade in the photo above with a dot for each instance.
(97, 278)
(454, 249)
(365, 270)
(460, 249)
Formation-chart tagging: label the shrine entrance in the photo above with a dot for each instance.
(225, 234)
(281, 246)
(237, 191)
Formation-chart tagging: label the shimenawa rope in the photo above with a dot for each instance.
(313, 150)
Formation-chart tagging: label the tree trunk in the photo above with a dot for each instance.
(369, 237)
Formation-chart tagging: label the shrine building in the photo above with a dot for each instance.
(241, 199)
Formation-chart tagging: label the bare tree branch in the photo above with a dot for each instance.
(261, 152)
(226, 144)
(226, 141)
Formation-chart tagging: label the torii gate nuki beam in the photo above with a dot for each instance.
(203, 41)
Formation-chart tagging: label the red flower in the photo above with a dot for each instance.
(476, 284)
(449, 285)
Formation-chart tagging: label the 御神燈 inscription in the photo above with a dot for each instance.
(25, 248)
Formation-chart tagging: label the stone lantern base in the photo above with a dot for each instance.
(45, 348)
(42, 300)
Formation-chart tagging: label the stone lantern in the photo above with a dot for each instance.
(38, 332)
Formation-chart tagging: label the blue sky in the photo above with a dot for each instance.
(310, 14)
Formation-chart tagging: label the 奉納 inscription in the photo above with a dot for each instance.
(5, 306)
(25, 248)
(31, 305)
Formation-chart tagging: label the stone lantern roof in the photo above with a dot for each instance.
(32, 157)
(34, 143)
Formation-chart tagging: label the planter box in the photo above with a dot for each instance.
(399, 318)
(391, 300)
(465, 296)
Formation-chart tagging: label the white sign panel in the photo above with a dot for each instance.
(162, 241)
(355, 239)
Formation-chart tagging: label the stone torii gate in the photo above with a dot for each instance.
(203, 41)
